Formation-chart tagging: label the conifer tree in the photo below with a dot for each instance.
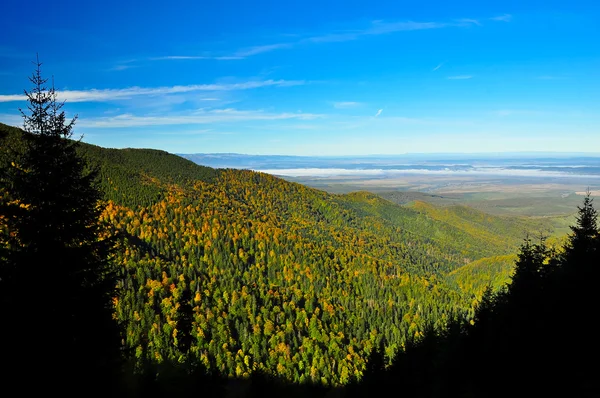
(55, 275)
(584, 234)
(531, 268)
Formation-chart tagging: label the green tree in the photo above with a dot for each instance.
(55, 276)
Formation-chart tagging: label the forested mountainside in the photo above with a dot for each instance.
(476, 276)
(243, 272)
(534, 337)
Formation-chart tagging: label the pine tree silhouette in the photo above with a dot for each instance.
(55, 277)
(583, 240)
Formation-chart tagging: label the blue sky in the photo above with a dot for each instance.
(314, 77)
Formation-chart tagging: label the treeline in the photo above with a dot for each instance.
(139, 177)
(535, 337)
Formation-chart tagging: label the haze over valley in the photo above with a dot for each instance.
(534, 184)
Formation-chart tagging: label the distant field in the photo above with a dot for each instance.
(593, 193)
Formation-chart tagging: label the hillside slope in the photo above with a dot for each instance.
(476, 276)
(241, 271)
(455, 229)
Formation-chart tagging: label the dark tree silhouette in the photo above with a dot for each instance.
(586, 220)
(531, 270)
(56, 281)
(583, 240)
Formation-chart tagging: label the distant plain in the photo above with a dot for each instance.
(531, 185)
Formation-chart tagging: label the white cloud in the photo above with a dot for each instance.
(378, 112)
(346, 104)
(469, 21)
(201, 116)
(195, 57)
(260, 49)
(122, 67)
(502, 18)
(12, 97)
(460, 77)
(438, 67)
(240, 54)
(377, 27)
(103, 95)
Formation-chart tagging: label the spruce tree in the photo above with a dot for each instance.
(584, 234)
(55, 275)
(531, 268)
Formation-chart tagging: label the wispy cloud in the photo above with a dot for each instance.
(201, 116)
(378, 112)
(195, 57)
(118, 68)
(346, 104)
(438, 67)
(460, 77)
(124, 65)
(502, 18)
(239, 54)
(377, 27)
(468, 21)
(260, 49)
(104, 95)
(12, 97)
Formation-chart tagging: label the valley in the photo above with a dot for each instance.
(239, 270)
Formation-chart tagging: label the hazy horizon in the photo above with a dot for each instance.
(563, 169)
(367, 155)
